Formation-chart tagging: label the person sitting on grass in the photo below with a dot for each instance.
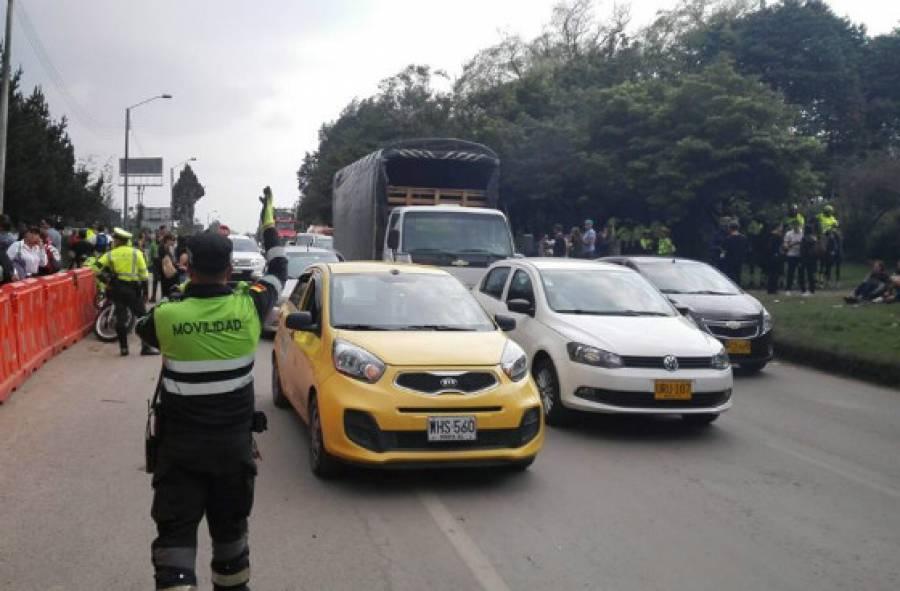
(892, 293)
(873, 287)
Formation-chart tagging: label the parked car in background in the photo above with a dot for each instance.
(393, 365)
(313, 241)
(716, 304)
(247, 260)
(601, 338)
(299, 258)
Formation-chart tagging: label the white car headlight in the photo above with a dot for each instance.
(720, 360)
(514, 362)
(356, 362)
(593, 356)
(767, 321)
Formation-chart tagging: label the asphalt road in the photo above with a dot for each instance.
(798, 487)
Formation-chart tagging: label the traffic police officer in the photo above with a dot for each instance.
(204, 462)
(128, 282)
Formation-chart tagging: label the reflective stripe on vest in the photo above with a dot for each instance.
(204, 388)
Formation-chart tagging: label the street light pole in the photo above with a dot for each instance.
(127, 136)
(4, 99)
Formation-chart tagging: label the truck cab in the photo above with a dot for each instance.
(462, 240)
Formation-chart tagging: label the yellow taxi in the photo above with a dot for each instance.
(398, 365)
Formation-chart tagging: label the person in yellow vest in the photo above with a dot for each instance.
(664, 246)
(827, 220)
(793, 216)
(127, 269)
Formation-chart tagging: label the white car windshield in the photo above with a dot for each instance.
(299, 261)
(688, 277)
(455, 233)
(404, 301)
(602, 293)
(244, 245)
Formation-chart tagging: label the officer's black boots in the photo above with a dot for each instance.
(123, 350)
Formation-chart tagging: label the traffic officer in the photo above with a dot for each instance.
(127, 271)
(204, 463)
(827, 219)
(794, 215)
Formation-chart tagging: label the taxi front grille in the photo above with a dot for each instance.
(626, 399)
(733, 329)
(466, 382)
(657, 362)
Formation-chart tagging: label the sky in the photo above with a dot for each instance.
(254, 81)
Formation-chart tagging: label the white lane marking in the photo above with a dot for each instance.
(859, 479)
(468, 551)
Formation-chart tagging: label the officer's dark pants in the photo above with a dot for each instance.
(126, 295)
(197, 477)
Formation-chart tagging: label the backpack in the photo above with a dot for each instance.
(102, 242)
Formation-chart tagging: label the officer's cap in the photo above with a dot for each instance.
(120, 233)
(209, 252)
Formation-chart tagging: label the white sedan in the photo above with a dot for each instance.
(601, 338)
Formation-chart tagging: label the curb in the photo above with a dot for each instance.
(852, 366)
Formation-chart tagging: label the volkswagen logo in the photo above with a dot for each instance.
(732, 325)
(447, 383)
(670, 362)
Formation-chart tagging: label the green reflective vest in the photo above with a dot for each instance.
(208, 344)
(666, 247)
(126, 262)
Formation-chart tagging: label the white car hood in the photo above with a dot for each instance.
(644, 336)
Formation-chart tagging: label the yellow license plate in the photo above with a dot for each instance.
(673, 390)
(738, 347)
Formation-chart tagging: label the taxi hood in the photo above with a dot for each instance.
(430, 348)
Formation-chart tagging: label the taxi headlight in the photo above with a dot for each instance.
(766, 321)
(356, 362)
(514, 362)
(593, 356)
(721, 361)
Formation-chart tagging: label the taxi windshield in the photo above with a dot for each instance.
(404, 301)
(603, 293)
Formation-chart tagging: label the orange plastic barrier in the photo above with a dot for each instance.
(29, 308)
(86, 293)
(61, 308)
(11, 374)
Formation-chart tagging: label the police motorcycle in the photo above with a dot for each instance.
(105, 323)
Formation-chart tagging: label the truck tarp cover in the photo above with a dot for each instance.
(359, 206)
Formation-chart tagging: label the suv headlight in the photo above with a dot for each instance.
(720, 360)
(593, 356)
(766, 321)
(356, 362)
(514, 362)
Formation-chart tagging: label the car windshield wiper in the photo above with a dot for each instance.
(612, 312)
(675, 291)
(482, 251)
(442, 327)
(360, 327)
(641, 313)
(709, 292)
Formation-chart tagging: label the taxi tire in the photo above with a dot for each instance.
(322, 464)
(278, 397)
(521, 465)
(558, 415)
(700, 420)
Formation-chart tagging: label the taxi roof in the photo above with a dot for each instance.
(363, 267)
(547, 263)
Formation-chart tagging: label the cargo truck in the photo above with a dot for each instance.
(426, 201)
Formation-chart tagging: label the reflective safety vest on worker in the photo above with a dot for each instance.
(126, 262)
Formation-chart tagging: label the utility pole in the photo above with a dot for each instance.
(125, 199)
(4, 99)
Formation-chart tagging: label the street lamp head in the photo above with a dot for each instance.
(192, 159)
(165, 96)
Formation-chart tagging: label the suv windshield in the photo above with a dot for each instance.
(244, 245)
(602, 293)
(405, 301)
(299, 261)
(688, 277)
(434, 237)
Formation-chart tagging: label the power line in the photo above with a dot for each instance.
(80, 113)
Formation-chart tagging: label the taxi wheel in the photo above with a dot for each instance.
(521, 465)
(548, 387)
(321, 462)
(278, 397)
(700, 420)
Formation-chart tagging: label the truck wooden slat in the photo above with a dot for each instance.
(406, 196)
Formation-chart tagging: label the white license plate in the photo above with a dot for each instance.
(452, 429)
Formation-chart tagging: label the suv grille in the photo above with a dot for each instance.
(739, 329)
(465, 382)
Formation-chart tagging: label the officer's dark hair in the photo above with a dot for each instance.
(209, 257)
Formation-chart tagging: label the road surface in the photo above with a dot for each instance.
(798, 487)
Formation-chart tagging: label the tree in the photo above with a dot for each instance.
(185, 194)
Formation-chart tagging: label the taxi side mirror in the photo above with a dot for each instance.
(393, 239)
(299, 321)
(520, 306)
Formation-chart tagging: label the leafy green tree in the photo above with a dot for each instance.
(186, 192)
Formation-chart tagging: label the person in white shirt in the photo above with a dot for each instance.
(793, 239)
(28, 255)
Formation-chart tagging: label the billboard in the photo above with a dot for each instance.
(141, 167)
